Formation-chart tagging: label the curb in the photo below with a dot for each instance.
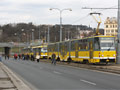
(19, 84)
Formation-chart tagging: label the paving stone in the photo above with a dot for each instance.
(6, 84)
(3, 74)
(9, 89)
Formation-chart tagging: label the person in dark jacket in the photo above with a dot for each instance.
(0, 58)
(53, 59)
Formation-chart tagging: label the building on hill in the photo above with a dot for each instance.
(110, 26)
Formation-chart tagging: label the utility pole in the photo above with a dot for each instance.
(45, 36)
(61, 37)
(39, 33)
(118, 35)
(48, 40)
(33, 35)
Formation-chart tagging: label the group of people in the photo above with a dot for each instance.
(32, 58)
(16, 56)
(23, 57)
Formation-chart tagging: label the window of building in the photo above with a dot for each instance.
(107, 31)
(106, 26)
(112, 31)
(111, 26)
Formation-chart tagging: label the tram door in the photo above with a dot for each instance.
(39, 51)
(63, 50)
(76, 50)
(91, 50)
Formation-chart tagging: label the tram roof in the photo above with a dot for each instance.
(82, 38)
(41, 46)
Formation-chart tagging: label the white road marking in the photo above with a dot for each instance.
(87, 82)
(56, 72)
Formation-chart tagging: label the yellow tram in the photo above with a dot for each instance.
(96, 50)
(40, 50)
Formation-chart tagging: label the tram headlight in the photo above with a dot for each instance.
(114, 55)
(102, 55)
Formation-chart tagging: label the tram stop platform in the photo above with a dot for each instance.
(9, 81)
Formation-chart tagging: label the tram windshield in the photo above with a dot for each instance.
(107, 43)
(44, 49)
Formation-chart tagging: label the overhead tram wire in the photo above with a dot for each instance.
(112, 7)
(80, 19)
(98, 8)
(102, 9)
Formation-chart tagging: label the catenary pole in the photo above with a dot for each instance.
(118, 35)
(48, 35)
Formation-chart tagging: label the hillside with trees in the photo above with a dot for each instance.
(23, 32)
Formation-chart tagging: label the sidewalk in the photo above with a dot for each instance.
(9, 81)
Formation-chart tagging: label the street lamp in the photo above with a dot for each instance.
(61, 19)
(18, 41)
(33, 35)
(22, 30)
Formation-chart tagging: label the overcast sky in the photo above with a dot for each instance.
(37, 11)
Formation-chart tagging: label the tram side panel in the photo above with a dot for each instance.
(53, 48)
(64, 51)
(79, 50)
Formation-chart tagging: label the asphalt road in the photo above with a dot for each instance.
(45, 76)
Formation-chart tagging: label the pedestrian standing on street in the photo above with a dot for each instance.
(8, 57)
(0, 58)
(38, 58)
(53, 59)
(5, 57)
(15, 56)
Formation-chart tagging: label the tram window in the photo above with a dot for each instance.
(79, 43)
(67, 46)
(55, 47)
(81, 47)
(87, 45)
(60, 46)
(84, 46)
(96, 44)
(73, 46)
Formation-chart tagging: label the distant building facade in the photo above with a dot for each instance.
(84, 31)
(110, 26)
(1, 32)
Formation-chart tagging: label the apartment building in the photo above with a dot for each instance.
(110, 26)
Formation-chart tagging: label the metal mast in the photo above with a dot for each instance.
(118, 35)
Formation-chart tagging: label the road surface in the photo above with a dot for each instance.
(45, 76)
